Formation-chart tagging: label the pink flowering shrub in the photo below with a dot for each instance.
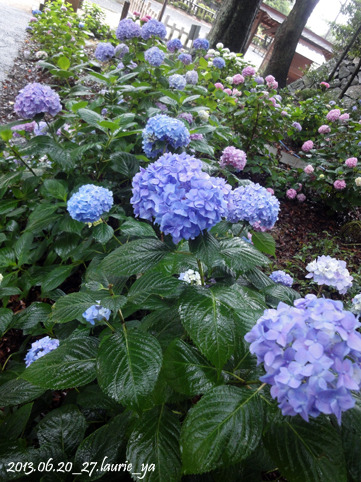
(307, 146)
(339, 184)
(291, 193)
(324, 129)
(233, 157)
(238, 79)
(333, 115)
(351, 162)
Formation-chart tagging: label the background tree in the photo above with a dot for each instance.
(233, 24)
(286, 40)
(283, 6)
(342, 33)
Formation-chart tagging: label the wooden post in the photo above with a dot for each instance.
(267, 56)
(162, 10)
(256, 23)
(125, 10)
(74, 4)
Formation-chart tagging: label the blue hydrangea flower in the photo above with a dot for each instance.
(186, 59)
(81, 25)
(192, 77)
(201, 43)
(180, 197)
(40, 348)
(297, 126)
(96, 313)
(41, 129)
(356, 305)
(259, 80)
(282, 278)
(104, 52)
(163, 132)
(186, 116)
(35, 11)
(311, 354)
(174, 44)
(219, 62)
(331, 272)
(89, 203)
(153, 28)
(36, 99)
(154, 56)
(177, 82)
(121, 50)
(253, 203)
(127, 29)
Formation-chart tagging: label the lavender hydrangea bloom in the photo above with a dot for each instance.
(40, 348)
(259, 80)
(197, 137)
(177, 82)
(36, 99)
(186, 59)
(201, 43)
(127, 29)
(192, 77)
(311, 354)
(219, 62)
(297, 126)
(356, 305)
(121, 50)
(89, 203)
(331, 272)
(96, 313)
(29, 127)
(186, 116)
(154, 56)
(233, 157)
(162, 132)
(104, 52)
(180, 197)
(282, 278)
(253, 203)
(153, 28)
(174, 45)
(41, 129)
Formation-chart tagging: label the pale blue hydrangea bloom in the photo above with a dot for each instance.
(177, 82)
(174, 44)
(192, 77)
(127, 29)
(186, 59)
(40, 348)
(121, 50)
(41, 129)
(356, 305)
(219, 62)
(201, 43)
(191, 277)
(104, 52)
(96, 313)
(153, 28)
(36, 99)
(89, 203)
(154, 56)
(329, 271)
(164, 132)
(282, 278)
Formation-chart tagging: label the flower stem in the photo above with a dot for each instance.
(200, 267)
(18, 156)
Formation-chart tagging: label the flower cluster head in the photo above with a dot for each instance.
(186, 116)
(174, 44)
(307, 146)
(219, 86)
(36, 99)
(121, 50)
(356, 305)
(186, 59)
(96, 313)
(104, 52)
(153, 28)
(311, 354)
(197, 137)
(233, 157)
(177, 81)
(324, 129)
(40, 348)
(301, 197)
(253, 203)
(297, 126)
(89, 203)
(259, 80)
(271, 82)
(333, 115)
(127, 29)
(339, 184)
(351, 162)
(190, 276)
(238, 79)
(203, 115)
(248, 71)
(29, 127)
(282, 278)
(344, 117)
(41, 129)
(154, 56)
(162, 132)
(219, 62)
(201, 43)
(331, 272)
(192, 77)
(326, 85)
(291, 193)
(180, 197)
(358, 181)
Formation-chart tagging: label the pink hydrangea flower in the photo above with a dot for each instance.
(218, 85)
(344, 117)
(33, 19)
(299, 187)
(238, 79)
(351, 162)
(236, 92)
(269, 189)
(324, 129)
(233, 157)
(307, 146)
(273, 100)
(325, 84)
(248, 71)
(301, 197)
(271, 82)
(284, 113)
(333, 115)
(339, 184)
(291, 193)
(144, 19)
(136, 14)
(228, 91)
(308, 169)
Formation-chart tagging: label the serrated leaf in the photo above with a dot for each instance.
(154, 284)
(22, 248)
(187, 370)
(190, 99)
(41, 217)
(124, 163)
(6, 317)
(206, 248)
(90, 117)
(70, 365)
(168, 101)
(306, 451)
(71, 307)
(351, 440)
(56, 277)
(56, 189)
(102, 233)
(203, 147)
(128, 366)
(32, 315)
(277, 292)
(241, 256)
(155, 440)
(15, 423)
(18, 391)
(264, 242)
(223, 428)
(137, 229)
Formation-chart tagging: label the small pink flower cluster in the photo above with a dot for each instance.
(344, 117)
(236, 92)
(271, 82)
(233, 157)
(333, 115)
(351, 162)
(339, 184)
(326, 85)
(324, 129)
(228, 91)
(308, 169)
(307, 146)
(238, 79)
(291, 193)
(219, 86)
(248, 71)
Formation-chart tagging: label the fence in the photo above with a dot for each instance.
(143, 8)
(194, 9)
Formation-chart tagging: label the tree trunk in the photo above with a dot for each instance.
(286, 40)
(233, 24)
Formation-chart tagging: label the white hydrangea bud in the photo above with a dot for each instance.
(358, 181)
(211, 52)
(229, 80)
(226, 50)
(190, 276)
(219, 45)
(203, 115)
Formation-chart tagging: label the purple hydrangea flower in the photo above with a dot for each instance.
(40, 348)
(201, 43)
(154, 56)
(36, 99)
(297, 126)
(186, 59)
(96, 313)
(81, 25)
(153, 28)
(180, 197)
(192, 77)
(311, 354)
(177, 82)
(41, 129)
(186, 116)
(127, 29)
(197, 137)
(259, 80)
(174, 45)
(89, 203)
(29, 127)
(104, 52)
(331, 272)
(219, 62)
(282, 278)
(163, 132)
(253, 203)
(233, 157)
(121, 50)
(248, 71)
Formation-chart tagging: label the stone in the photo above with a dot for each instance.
(343, 72)
(344, 82)
(354, 92)
(348, 102)
(297, 85)
(356, 60)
